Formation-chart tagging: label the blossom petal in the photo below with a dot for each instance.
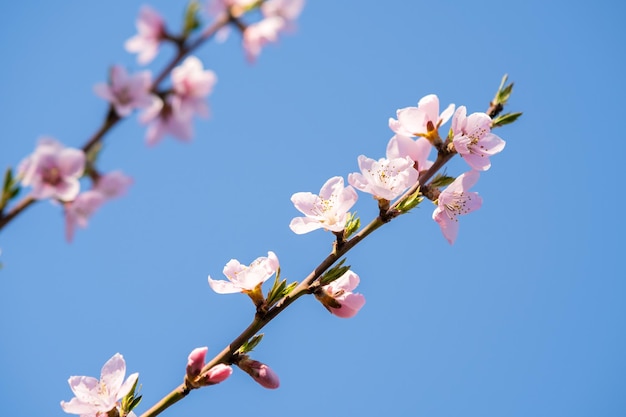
(223, 287)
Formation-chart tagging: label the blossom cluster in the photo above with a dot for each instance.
(278, 16)
(54, 171)
(416, 131)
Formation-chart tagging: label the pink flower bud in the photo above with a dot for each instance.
(218, 373)
(196, 361)
(260, 372)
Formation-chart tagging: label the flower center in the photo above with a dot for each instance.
(51, 176)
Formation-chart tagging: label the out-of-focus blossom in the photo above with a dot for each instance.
(243, 278)
(385, 178)
(279, 16)
(289, 10)
(126, 92)
(151, 31)
(195, 363)
(418, 150)
(338, 297)
(454, 201)
(260, 372)
(53, 171)
(96, 398)
(166, 118)
(261, 33)
(78, 212)
(473, 139)
(192, 83)
(107, 186)
(328, 210)
(420, 120)
(113, 184)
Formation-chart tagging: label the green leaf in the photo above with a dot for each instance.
(352, 225)
(191, 20)
(505, 119)
(14, 192)
(250, 344)
(130, 400)
(441, 180)
(411, 201)
(8, 179)
(504, 91)
(334, 273)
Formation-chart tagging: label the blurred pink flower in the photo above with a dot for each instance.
(260, 372)
(166, 118)
(96, 398)
(243, 278)
(78, 212)
(328, 210)
(385, 178)
(340, 291)
(454, 201)
(53, 171)
(418, 150)
(151, 30)
(107, 186)
(289, 10)
(473, 139)
(191, 85)
(126, 92)
(418, 121)
(261, 33)
(113, 184)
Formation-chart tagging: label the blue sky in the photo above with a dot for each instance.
(524, 315)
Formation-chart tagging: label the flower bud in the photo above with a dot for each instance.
(260, 372)
(196, 362)
(217, 374)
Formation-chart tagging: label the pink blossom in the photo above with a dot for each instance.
(78, 212)
(340, 291)
(166, 118)
(289, 10)
(260, 372)
(151, 31)
(53, 171)
(191, 85)
(243, 278)
(113, 184)
(96, 398)
(420, 120)
(473, 139)
(328, 210)
(260, 34)
(385, 178)
(126, 92)
(418, 150)
(454, 201)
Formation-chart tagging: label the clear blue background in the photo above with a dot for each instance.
(523, 316)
